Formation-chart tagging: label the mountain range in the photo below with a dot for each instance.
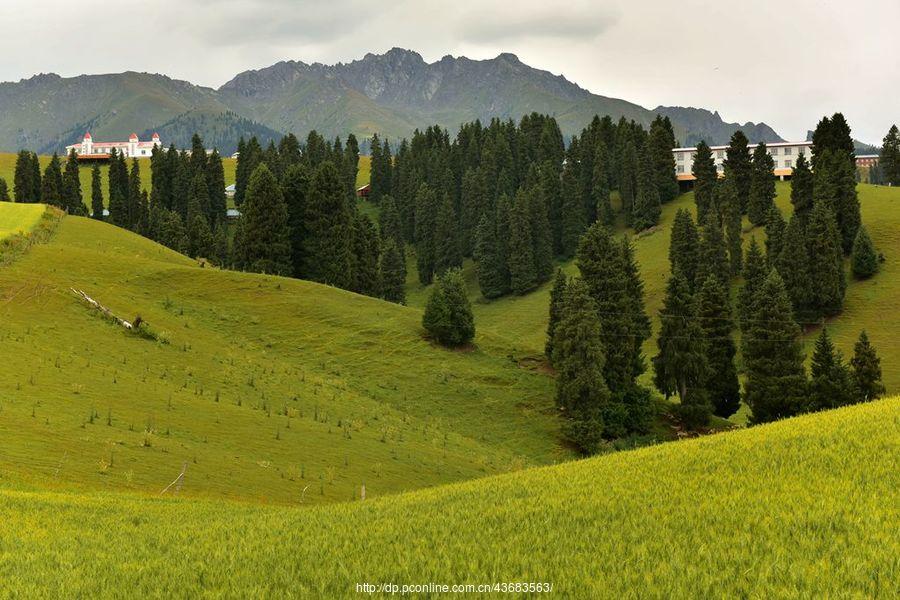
(391, 94)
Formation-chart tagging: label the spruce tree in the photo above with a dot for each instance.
(729, 204)
(4, 191)
(448, 315)
(574, 219)
(802, 188)
(705, 178)
(738, 166)
(646, 211)
(118, 201)
(831, 384)
(826, 262)
(133, 197)
(754, 272)
(201, 243)
(52, 183)
(426, 219)
(96, 194)
(600, 184)
(578, 355)
(71, 190)
(866, 369)
(864, 258)
(248, 159)
(521, 261)
(762, 186)
(215, 182)
(541, 236)
(775, 228)
(392, 272)
(557, 298)
(638, 321)
(488, 267)
(793, 265)
(365, 248)
(23, 183)
(329, 229)
(717, 326)
(847, 213)
(773, 361)
(680, 367)
(265, 236)
(35, 177)
(713, 254)
(684, 247)
(660, 141)
(473, 202)
(889, 161)
(447, 253)
(295, 188)
(628, 173)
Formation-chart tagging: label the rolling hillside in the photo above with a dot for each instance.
(521, 322)
(263, 388)
(804, 508)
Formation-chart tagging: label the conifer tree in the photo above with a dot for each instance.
(118, 190)
(773, 360)
(52, 183)
(198, 156)
(365, 256)
(866, 369)
(628, 173)
(521, 250)
(133, 198)
(762, 186)
(738, 167)
(847, 211)
(717, 326)
(660, 141)
(680, 367)
(557, 298)
(831, 384)
(705, 178)
(488, 266)
(392, 272)
(541, 237)
(889, 161)
(638, 321)
(448, 315)
(600, 184)
(329, 229)
(426, 220)
(35, 177)
(473, 201)
(646, 211)
(713, 254)
(793, 265)
(215, 182)
(864, 258)
(24, 188)
(389, 221)
(578, 355)
(172, 232)
(71, 187)
(826, 262)
(775, 229)
(755, 272)
(222, 250)
(802, 188)
(96, 194)
(201, 243)
(684, 247)
(729, 204)
(264, 243)
(295, 188)
(249, 157)
(4, 191)
(574, 219)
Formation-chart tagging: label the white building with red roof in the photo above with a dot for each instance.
(133, 148)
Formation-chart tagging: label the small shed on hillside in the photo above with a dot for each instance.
(363, 192)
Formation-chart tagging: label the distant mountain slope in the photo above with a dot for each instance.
(220, 130)
(391, 93)
(702, 124)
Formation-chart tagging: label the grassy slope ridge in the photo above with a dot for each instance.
(521, 322)
(19, 218)
(807, 507)
(268, 386)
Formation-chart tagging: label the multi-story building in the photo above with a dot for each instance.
(867, 160)
(784, 154)
(133, 148)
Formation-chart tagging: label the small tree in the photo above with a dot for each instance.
(448, 315)
(864, 258)
(866, 368)
(557, 298)
(392, 272)
(684, 247)
(264, 241)
(717, 325)
(830, 385)
(755, 272)
(4, 191)
(96, 194)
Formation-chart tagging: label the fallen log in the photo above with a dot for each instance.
(106, 312)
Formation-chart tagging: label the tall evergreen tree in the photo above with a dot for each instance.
(365, 256)
(447, 253)
(628, 173)
(329, 229)
(717, 326)
(889, 160)
(729, 204)
(578, 355)
(866, 367)
(773, 360)
(4, 191)
(215, 182)
(249, 157)
(541, 236)
(25, 188)
(392, 272)
(389, 221)
(473, 202)
(831, 384)
(826, 262)
(71, 187)
(600, 184)
(755, 272)
(521, 250)
(200, 238)
(762, 185)
(426, 219)
(802, 188)
(96, 194)
(646, 211)
(793, 265)
(738, 167)
(775, 228)
(52, 183)
(557, 298)
(574, 219)
(264, 240)
(448, 315)
(638, 321)
(713, 254)
(133, 197)
(295, 188)
(118, 192)
(488, 265)
(705, 178)
(684, 247)
(660, 141)
(680, 367)
(864, 258)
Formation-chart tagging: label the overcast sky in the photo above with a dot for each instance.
(785, 62)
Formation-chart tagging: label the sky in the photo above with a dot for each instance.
(785, 62)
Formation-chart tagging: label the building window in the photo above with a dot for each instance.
(720, 154)
(679, 156)
(773, 151)
(680, 169)
(787, 151)
(776, 163)
(788, 164)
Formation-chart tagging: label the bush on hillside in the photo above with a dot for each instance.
(448, 315)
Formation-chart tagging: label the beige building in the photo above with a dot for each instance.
(783, 153)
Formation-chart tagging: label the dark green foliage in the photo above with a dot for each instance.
(738, 167)
(541, 237)
(96, 194)
(706, 176)
(638, 321)
(200, 238)
(133, 196)
(646, 211)
(198, 155)
(447, 253)
(832, 135)
(773, 360)
(762, 186)
(713, 254)
(775, 227)
(263, 241)
(717, 326)
(574, 219)
(802, 187)
(4, 191)
(729, 205)
(448, 315)
(392, 273)
(578, 355)
(488, 265)
(389, 222)
(600, 184)
(889, 161)
(866, 368)
(520, 261)
(426, 219)
(680, 367)
(684, 247)
(71, 187)
(864, 258)
(835, 186)
(660, 141)
(329, 228)
(830, 383)
(628, 174)
(826, 265)
(249, 157)
(27, 178)
(382, 166)
(52, 183)
(793, 263)
(118, 191)
(557, 298)
(295, 188)
(215, 182)
(365, 256)
(170, 230)
(755, 271)
(474, 203)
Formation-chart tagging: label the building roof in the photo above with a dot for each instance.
(772, 145)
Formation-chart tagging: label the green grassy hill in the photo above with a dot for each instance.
(521, 322)
(267, 388)
(804, 508)
(19, 218)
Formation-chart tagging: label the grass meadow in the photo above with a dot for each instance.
(804, 508)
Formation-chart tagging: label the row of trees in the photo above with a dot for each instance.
(60, 187)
